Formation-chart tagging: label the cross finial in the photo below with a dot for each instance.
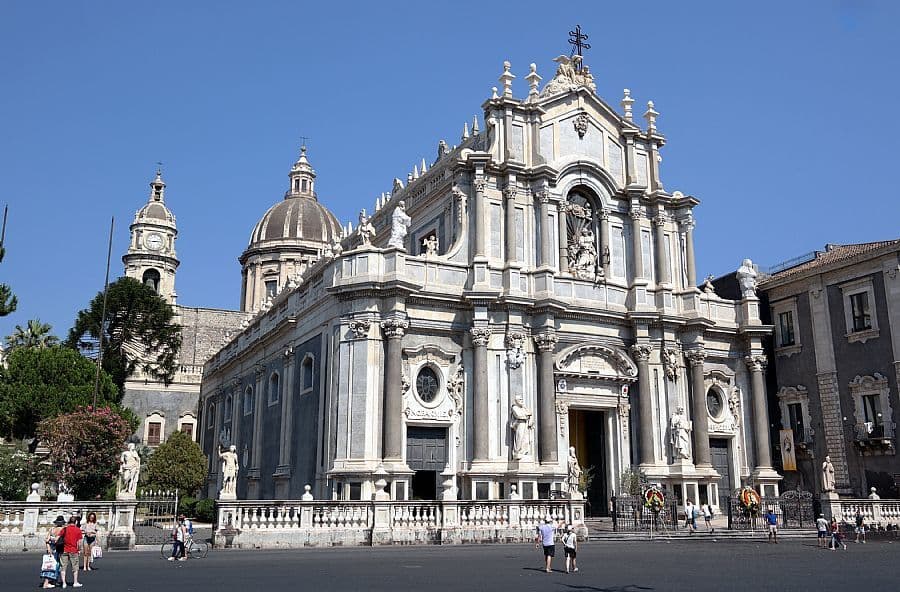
(577, 40)
(159, 166)
(303, 141)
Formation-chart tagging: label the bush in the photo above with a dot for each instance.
(18, 470)
(187, 506)
(179, 464)
(205, 510)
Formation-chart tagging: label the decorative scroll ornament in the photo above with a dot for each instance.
(394, 327)
(456, 388)
(480, 335)
(360, 328)
(695, 357)
(562, 416)
(756, 363)
(641, 352)
(515, 354)
(734, 406)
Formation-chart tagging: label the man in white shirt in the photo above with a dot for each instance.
(822, 528)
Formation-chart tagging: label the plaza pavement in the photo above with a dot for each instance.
(605, 567)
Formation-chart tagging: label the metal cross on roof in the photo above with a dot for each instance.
(304, 140)
(577, 40)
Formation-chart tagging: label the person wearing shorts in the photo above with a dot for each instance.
(860, 527)
(545, 537)
(570, 548)
(70, 556)
(822, 528)
(772, 521)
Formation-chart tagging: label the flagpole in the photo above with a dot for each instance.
(112, 224)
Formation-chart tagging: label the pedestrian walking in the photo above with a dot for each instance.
(690, 516)
(772, 521)
(50, 573)
(836, 538)
(545, 537)
(570, 548)
(860, 527)
(71, 536)
(178, 536)
(822, 528)
(91, 530)
(707, 511)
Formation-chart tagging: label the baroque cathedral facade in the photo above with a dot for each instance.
(530, 293)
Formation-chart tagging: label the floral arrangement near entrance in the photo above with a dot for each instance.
(749, 501)
(654, 499)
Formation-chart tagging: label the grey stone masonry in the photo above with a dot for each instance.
(829, 397)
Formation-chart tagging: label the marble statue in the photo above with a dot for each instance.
(827, 475)
(129, 472)
(400, 222)
(430, 244)
(746, 276)
(336, 249)
(873, 495)
(521, 423)
(573, 481)
(679, 434)
(708, 286)
(585, 262)
(365, 230)
(229, 471)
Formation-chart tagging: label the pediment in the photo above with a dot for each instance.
(596, 360)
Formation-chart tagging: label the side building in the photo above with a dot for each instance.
(837, 356)
(528, 293)
(151, 258)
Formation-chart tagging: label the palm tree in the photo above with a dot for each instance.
(35, 334)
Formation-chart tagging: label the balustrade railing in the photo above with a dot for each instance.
(878, 514)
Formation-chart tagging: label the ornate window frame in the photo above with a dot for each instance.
(875, 384)
(857, 287)
(779, 308)
(273, 393)
(788, 395)
(211, 414)
(191, 420)
(155, 417)
(441, 386)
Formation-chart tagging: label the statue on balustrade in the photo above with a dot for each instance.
(521, 423)
(229, 460)
(129, 472)
(400, 222)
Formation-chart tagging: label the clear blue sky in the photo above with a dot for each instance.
(780, 116)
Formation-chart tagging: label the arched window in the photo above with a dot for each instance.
(211, 415)
(229, 402)
(306, 373)
(151, 278)
(274, 389)
(248, 400)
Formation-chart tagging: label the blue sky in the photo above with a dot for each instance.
(780, 116)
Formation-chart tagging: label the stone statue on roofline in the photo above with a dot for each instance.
(746, 276)
(400, 222)
(365, 230)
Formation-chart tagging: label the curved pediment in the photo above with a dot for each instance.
(596, 360)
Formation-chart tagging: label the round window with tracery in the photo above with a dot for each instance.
(427, 384)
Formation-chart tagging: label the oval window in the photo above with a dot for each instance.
(714, 403)
(427, 384)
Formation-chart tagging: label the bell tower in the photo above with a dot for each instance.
(151, 257)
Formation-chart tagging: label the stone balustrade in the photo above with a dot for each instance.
(292, 524)
(878, 514)
(25, 525)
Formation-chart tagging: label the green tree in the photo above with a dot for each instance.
(141, 333)
(34, 334)
(84, 448)
(634, 481)
(178, 463)
(18, 470)
(39, 383)
(8, 301)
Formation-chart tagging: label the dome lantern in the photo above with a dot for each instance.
(303, 178)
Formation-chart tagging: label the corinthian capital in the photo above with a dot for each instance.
(543, 196)
(479, 184)
(756, 363)
(509, 192)
(635, 213)
(695, 357)
(394, 328)
(641, 352)
(480, 335)
(546, 341)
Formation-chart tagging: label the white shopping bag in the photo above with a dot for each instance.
(96, 552)
(48, 563)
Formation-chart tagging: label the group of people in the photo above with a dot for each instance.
(182, 531)
(545, 538)
(691, 513)
(70, 543)
(830, 536)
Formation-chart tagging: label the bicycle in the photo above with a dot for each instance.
(193, 549)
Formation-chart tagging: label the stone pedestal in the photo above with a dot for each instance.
(121, 536)
(831, 505)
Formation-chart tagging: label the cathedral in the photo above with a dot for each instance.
(527, 299)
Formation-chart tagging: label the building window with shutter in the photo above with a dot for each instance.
(154, 433)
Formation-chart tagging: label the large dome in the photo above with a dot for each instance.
(295, 221)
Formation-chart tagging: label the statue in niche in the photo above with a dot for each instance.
(679, 435)
(746, 276)
(573, 481)
(827, 475)
(521, 423)
(129, 472)
(229, 460)
(366, 230)
(400, 222)
(585, 259)
(430, 245)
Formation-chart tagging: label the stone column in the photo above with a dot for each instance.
(259, 401)
(662, 261)
(687, 226)
(699, 414)
(237, 411)
(480, 436)
(641, 354)
(638, 259)
(757, 365)
(604, 241)
(547, 437)
(563, 236)
(392, 412)
(546, 249)
(480, 215)
(287, 412)
(509, 201)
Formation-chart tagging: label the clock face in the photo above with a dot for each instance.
(154, 242)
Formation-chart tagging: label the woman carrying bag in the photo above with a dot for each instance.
(91, 531)
(50, 561)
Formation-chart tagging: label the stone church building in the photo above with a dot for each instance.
(532, 289)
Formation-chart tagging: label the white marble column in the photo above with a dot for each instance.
(662, 261)
(480, 216)
(687, 226)
(509, 202)
(546, 247)
(636, 216)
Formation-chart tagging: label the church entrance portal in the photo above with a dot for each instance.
(587, 433)
(426, 454)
